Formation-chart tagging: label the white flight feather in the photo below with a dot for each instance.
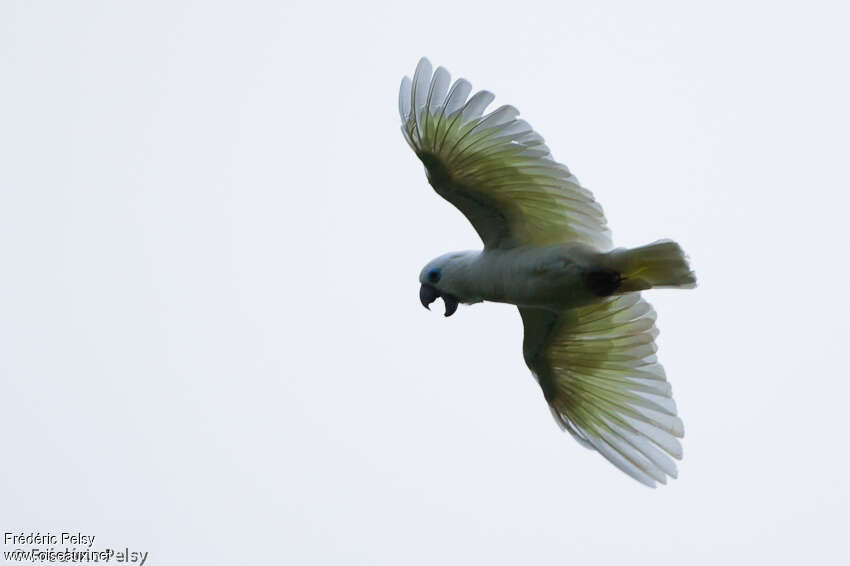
(501, 157)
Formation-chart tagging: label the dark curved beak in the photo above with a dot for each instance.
(429, 294)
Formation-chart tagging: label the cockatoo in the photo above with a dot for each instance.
(589, 337)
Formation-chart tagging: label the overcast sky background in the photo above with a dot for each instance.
(211, 344)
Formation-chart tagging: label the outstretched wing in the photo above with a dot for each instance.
(496, 168)
(599, 374)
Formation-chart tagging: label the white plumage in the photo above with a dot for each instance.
(589, 337)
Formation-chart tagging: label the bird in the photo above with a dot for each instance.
(588, 334)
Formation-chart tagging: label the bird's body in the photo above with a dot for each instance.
(547, 277)
(550, 277)
(588, 335)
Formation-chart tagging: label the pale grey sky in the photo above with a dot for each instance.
(211, 228)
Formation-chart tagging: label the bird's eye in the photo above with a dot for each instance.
(434, 276)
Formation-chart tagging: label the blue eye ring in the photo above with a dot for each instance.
(434, 276)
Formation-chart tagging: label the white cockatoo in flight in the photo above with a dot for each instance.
(589, 337)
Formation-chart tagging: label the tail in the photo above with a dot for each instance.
(659, 264)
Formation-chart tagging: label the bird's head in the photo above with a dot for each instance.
(440, 279)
